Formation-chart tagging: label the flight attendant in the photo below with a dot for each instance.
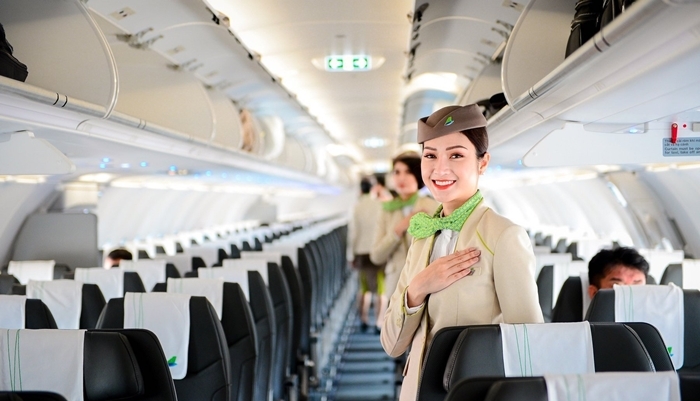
(391, 241)
(467, 264)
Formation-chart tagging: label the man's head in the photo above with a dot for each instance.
(116, 256)
(623, 266)
(365, 186)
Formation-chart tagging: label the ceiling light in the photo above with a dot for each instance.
(374, 142)
(125, 165)
(106, 159)
(144, 164)
(102, 165)
(98, 177)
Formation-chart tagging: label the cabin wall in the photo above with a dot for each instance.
(584, 208)
(679, 191)
(125, 214)
(17, 201)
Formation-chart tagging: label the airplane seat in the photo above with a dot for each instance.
(133, 283)
(221, 255)
(536, 389)
(235, 252)
(282, 303)
(60, 270)
(6, 283)
(545, 282)
(123, 365)
(178, 248)
(673, 274)
(30, 396)
(264, 317)
(190, 275)
(301, 326)
(257, 245)
(463, 352)
(241, 339)
(602, 309)
(37, 315)
(573, 250)
(143, 254)
(197, 262)
(92, 303)
(561, 246)
(245, 246)
(569, 306)
(160, 250)
(241, 336)
(171, 271)
(208, 369)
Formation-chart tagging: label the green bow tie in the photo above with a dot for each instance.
(398, 203)
(423, 226)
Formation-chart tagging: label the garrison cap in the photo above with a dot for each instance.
(448, 120)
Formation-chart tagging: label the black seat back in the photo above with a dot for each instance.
(545, 282)
(37, 315)
(92, 304)
(208, 369)
(241, 339)
(6, 283)
(264, 316)
(602, 309)
(282, 304)
(463, 352)
(673, 274)
(301, 322)
(133, 283)
(569, 306)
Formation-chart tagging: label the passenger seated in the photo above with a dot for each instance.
(624, 266)
(116, 256)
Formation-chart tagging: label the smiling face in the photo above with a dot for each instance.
(405, 182)
(451, 169)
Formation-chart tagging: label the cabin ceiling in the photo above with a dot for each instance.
(292, 39)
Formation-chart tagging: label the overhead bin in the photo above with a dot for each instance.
(444, 29)
(63, 49)
(128, 77)
(635, 77)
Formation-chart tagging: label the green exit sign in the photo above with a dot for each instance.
(348, 63)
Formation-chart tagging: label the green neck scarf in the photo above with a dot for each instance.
(423, 226)
(398, 203)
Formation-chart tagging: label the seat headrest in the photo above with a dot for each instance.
(110, 370)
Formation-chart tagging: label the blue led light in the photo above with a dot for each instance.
(520, 162)
(106, 160)
(173, 168)
(208, 173)
(633, 130)
(102, 165)
(143, 164)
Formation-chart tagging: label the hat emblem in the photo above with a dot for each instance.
(449, 121)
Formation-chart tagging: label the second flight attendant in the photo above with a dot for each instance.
(392, 241)
(467, 264)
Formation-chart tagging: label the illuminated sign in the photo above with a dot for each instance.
(348, 63)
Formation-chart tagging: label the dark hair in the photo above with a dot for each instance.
(120, 253)
(601, 264)
(380, 178)
(365, 186)
(479, 138)
(412, 161)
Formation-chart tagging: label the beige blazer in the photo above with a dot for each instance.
(391, 249)
(502, 289)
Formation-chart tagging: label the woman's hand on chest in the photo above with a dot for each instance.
(440, 274)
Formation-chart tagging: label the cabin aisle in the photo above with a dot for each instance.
(364, 371)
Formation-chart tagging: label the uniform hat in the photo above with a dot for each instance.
(448, 120)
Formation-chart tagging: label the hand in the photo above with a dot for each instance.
(440, 274)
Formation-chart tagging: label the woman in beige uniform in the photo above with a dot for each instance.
(391, 240)
(467, 264)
